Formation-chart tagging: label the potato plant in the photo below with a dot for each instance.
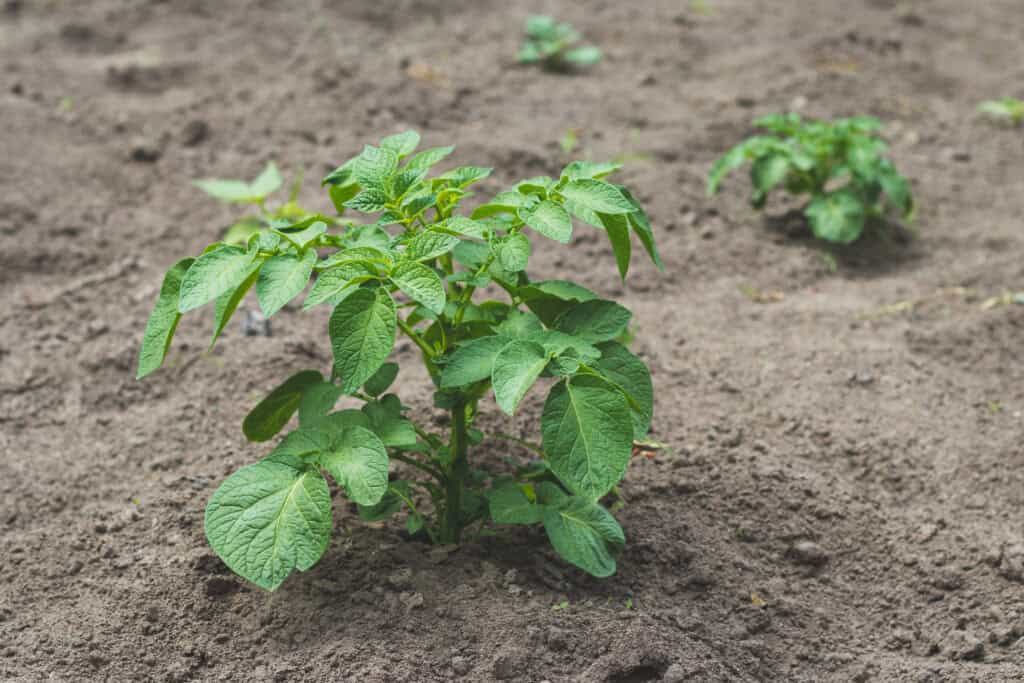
(454, 284)
(554, 46)
(839, 164)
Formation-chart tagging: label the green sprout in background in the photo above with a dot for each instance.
(1007, 109)
(554, 46)
(840, 164)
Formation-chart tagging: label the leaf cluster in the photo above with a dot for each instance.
(840, 164)
(555, 45)
(456, 285)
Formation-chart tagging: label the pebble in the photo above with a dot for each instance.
(809, 553)
(256, 325)
(400, 578)
(195, 132)
(461, 666)
(144, 151)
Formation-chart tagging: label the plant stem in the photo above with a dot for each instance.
(416, 463)
(417, 339)
(529, 445)
(451, 523)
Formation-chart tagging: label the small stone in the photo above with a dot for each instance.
(194, 132)
(1012, 563)
(145, 151)
(411, 601)
(809, 553)
(401, 578)
(461, 666)
(218, 586)
(862, 377)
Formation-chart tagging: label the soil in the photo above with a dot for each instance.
(844, 495)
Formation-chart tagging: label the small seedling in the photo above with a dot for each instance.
(554, 45)
(1007, 109)
(839, 164)
(456, 286)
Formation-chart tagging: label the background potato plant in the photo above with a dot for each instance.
(456, 286)
(840, 164)
(554, 45)
(1006, 109)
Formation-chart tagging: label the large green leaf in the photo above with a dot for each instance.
(516, 367)
(272, 413)
(358, 461)
(514, 252)
(509, 505)
(402, 144)
(597, 196)
(472, 361)
(429, 244)
(630, 374)
(642, 227)
(227, 303)
(382, 379)
(428, 157)
(837, 216)
(617, 228)
(594, 321)
(549, 219)
(362, 330)
(388, 423)
(551, 298)
(398, 492)
(163, 320)
(336, 283)
(584, 534)
(421, 284)
(269, 519)
(282, 278)
(317, 401)
(587, 434)
(214, 273)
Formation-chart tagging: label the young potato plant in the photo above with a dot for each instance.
(1007, 109)
(840, 164)
(456, 286)
(553, 45)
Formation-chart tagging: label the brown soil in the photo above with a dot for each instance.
(844, 500)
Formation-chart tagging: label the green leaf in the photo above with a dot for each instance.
(472, 361)
(227, 303)
(587, 434)
(387, 421)
(403, 144)
(362, 330)
(282, 278)
(428, 158)
(369, 200)
(509, 505)
(505, 202)
(516, 367)
(269, 519)
(272, 413)
(549, 219)
(597, 196)
(240, 232)
(335, 284)
(642, 227)
(212, 274)
(576, 170)
(238, 191)
(594, 321)
(163, 320)
(373, 167)
(421, 284)
(430, 244)
(896, 188)
(302, 238)
(519, 325)
(728, 162)
(317, 401)
(630, 374)
(551, 298)
(464, 176)
(768, 171)
(514, 252)
(584, 534)
(838, 216)
(617, 228)
(556, 343)
(391, 503)
(341, 194)
(382, 379)
(586, 55)
(358, 461)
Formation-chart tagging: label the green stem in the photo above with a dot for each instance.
(421, 465)
(529, 445)
(451, 523)
(417, 339)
